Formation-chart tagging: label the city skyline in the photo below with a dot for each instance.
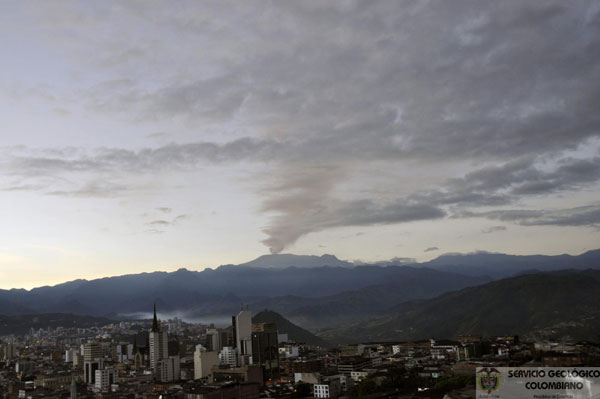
(146, 136)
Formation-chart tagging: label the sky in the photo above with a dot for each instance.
(139, 136)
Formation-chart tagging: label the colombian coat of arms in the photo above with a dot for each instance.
(488, 379)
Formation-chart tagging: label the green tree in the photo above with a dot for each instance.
(366, 387)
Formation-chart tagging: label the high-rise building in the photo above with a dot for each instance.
(265, 349)
(104, 379)
(159, 344)
(216, 339)
(168, 369)
(242, 334)
(93, 359)
(203, 361)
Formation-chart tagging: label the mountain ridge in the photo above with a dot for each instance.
(524, 304)
(462, 263)
(318, 297)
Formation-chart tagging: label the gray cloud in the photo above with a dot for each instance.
(493, 229)
(303, 200)
(97, 189)
(159, 222)
(506, 183)
(154, 231)
(384, 80)
(165, 223)
(578, 216)
(430, 249)
(329, 88)
(180, 218)
(397, 260)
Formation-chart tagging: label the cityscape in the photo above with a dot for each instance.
(252, 199)
(175, 359)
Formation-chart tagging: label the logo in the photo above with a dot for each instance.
(488, 379)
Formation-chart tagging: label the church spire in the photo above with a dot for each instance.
(155, 321)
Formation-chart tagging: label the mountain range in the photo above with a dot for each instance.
(551, 304)
(319, 293)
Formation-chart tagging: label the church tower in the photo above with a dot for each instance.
(159, 343)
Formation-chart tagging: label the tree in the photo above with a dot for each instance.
(301, 390)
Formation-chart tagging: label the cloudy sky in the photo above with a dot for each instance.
(140, 136)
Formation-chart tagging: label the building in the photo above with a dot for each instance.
(287, 349)
(265, 349)
(309, 378)
(228, 355)
(9, 351)
(159, 344)
(203, 361)
(349, 364)
(302, 366)
(225, 374)
(230, 391)
(104, 379)
(216, 339)
(440, 350)
(69, 354)
(359, 375)
(168, 370)
(242, 336)
(93, 359)
(53, 381)
(73, 389)
(329, 388)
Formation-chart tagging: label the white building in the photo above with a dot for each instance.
(358, 375)
(242, 329)
(159, 344)
(289, 350)
(442, 350)
(104, 379)
(69, 355)
(203, 361)
(329, 388)
(228, 355)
